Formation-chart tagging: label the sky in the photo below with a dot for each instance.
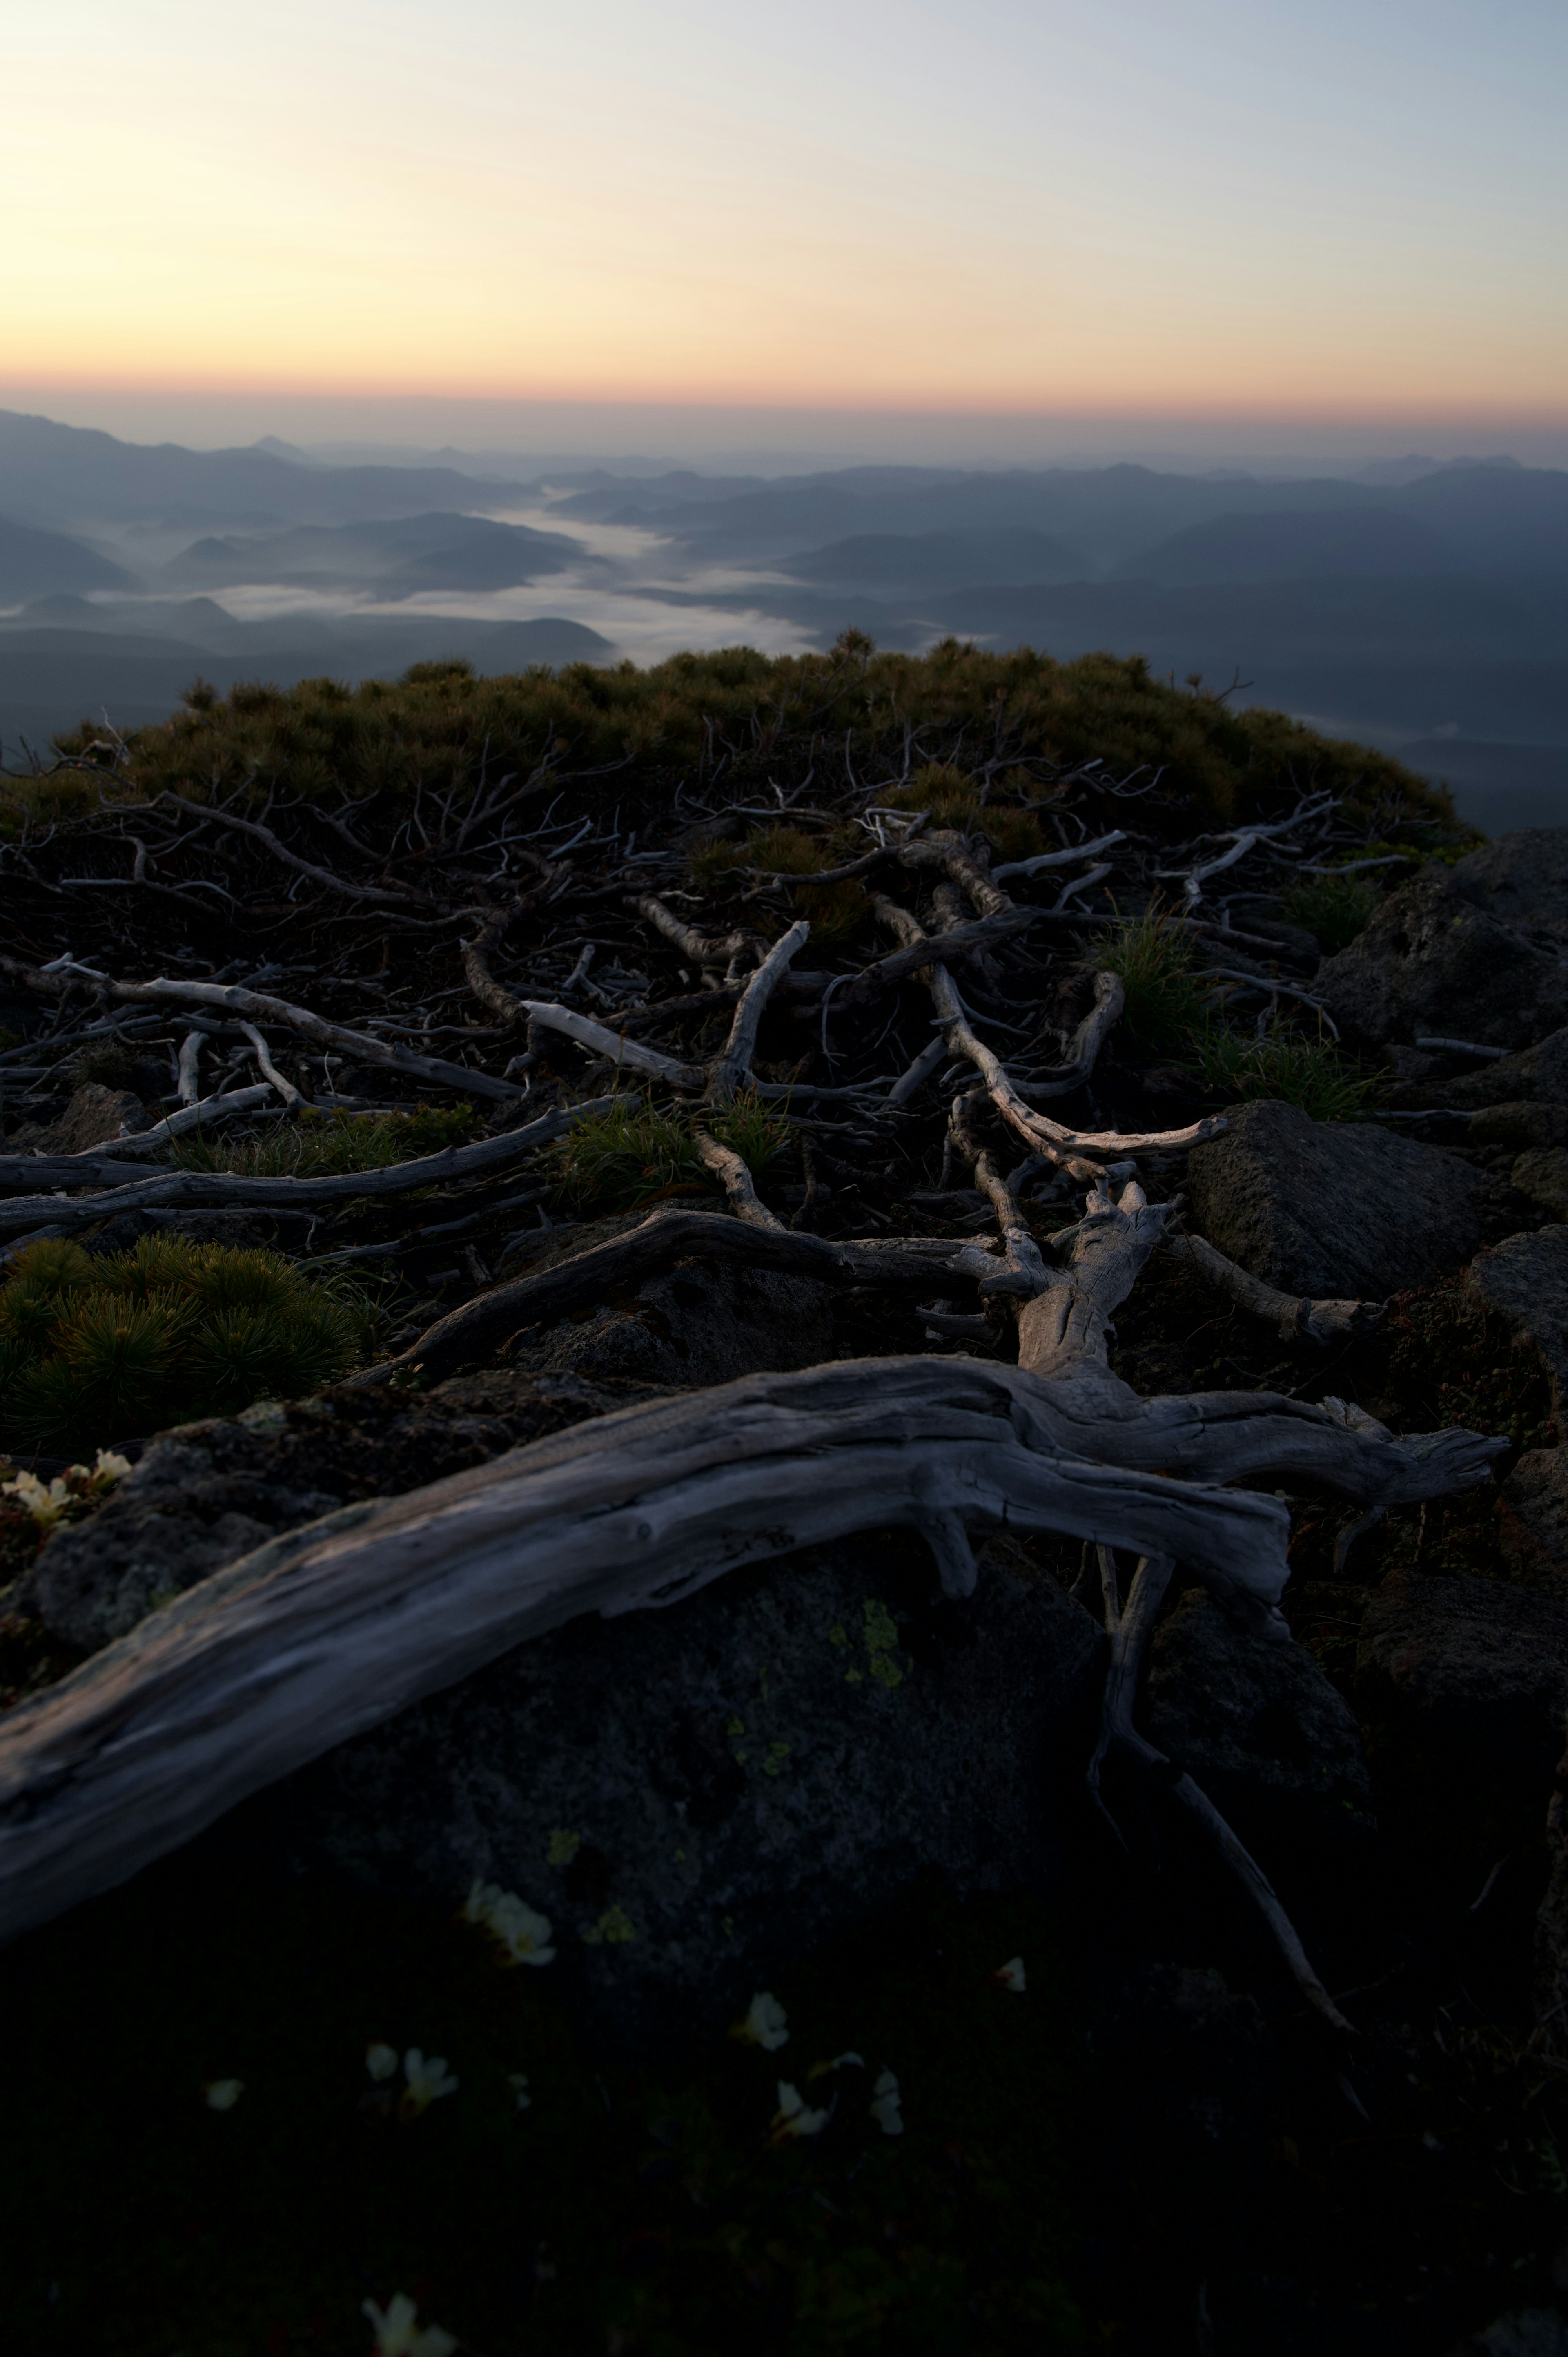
(1295, 217)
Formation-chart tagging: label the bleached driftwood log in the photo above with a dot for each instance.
(327, 1632)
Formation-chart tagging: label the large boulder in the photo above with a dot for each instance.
(1532, 1519)
(1536, 1075)
(693, 1797)
(1521, 879)
(207, 1493)
(1473, 1676)
(1433, 963)
(1525, 1280)
(1522, 1124)
(706, 1322)
(1333, 1210)
(1542, 1176)
(1272, 1743)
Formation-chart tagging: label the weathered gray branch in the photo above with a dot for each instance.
(1293, 1315)
(217, 1190)
(263, 1008)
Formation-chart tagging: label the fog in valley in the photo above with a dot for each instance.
(1416, 604)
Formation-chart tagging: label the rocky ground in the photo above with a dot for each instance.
(822, 1776)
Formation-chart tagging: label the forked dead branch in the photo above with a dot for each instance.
(576, 945)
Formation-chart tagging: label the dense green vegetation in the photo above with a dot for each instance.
(93, 1348)
(613, 1161)
(440, 726)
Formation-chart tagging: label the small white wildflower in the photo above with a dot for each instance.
(518, 2082)
(107, 1466)
(794, 2118)
(400, 2335)
(426, 2081)
(223, 2094)
(1010, 1975)
(520, 1928)
(381, 2062)
(886, 2104)
(45, 1500)
(766, 2023)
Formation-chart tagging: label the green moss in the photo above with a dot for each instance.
(93, 1351)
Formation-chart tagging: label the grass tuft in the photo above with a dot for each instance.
(1166, 1003)
(1334, 908)
(1291, 1066)
(314, 1145)
(613, 1161)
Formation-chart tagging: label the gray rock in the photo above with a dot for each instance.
(1519, 1124)
(1522, 880)
(94, 1117)
(694, 1796)
(705, 1322)
(1475, 1672)
(1536, 1075)
(1272, 1741)
(1433, 963)
(1525, 1280)
(1532, 1519)
(207, 1493)
(1338, 1209)
(1523, 2332)
(1542, 1174)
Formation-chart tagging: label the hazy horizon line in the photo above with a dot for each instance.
(773, 437)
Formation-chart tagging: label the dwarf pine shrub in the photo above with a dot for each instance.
(439, 723)
(837, 912)
(94, 1350)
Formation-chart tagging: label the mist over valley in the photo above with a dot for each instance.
(1415, 604)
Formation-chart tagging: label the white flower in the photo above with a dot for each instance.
(426, 2080)
(520, 1928)
(886, 2105)
(794, 2118)
(399, 2335)
(852, 2061)
(69, 1491)
(381, 2062)
(223, 2094)
(518, 2082)
(46, 1501)
(1010, 1975)
(766, 2023)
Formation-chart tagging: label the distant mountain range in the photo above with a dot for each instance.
(1421, 605)
(51, 473)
